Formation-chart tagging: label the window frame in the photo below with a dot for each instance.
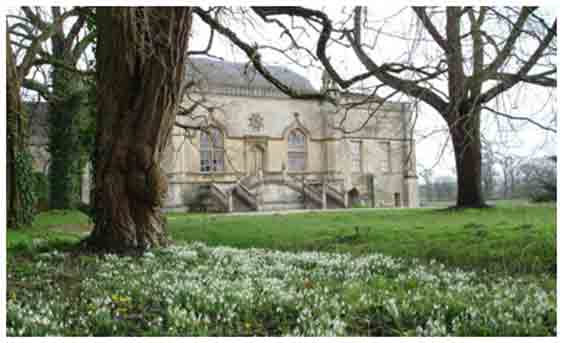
(293, 150)
(357, 158)
(213, 150)
(386, 160)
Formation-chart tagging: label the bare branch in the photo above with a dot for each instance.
(523, 118)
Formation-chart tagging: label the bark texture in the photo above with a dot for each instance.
(466, 139)
(140, 65)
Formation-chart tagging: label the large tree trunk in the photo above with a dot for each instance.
(19, 196)
(140, 65)
(466, 139)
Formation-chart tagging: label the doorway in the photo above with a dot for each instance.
(256, 160)
(397, 199)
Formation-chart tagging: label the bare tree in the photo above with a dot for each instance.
(481, 53)
(536, 178)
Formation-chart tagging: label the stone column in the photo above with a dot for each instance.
(230, 200)
(373, 188)
(260, 192)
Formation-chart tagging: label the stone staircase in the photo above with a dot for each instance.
(246, 196)
(242, 192)
(337, 196)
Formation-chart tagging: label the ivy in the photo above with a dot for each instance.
(66, 118)
(24, 214)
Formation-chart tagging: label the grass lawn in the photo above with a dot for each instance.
(502, 239)
(340, 273)
(51, 230)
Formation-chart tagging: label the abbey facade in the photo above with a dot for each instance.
(261, 150)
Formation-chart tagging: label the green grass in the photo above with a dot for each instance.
(55, 293)
(52, 229)
(502, 239)
(511, 239)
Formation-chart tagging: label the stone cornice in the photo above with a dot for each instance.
(255, 92)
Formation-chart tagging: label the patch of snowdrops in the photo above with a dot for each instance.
(196, 289)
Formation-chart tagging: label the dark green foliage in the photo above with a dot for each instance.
(68, 117)
(41, 189)
(24, 214)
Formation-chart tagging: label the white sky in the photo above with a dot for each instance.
(524, 139)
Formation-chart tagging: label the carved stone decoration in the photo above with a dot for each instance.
(256, 122)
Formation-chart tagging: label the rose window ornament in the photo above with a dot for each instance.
(256, 122)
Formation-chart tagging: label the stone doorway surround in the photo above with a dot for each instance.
(255, 154)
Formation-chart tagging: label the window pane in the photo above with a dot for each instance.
(355, 149)
(204, 140)
(218, 162)
(204, 160)
(296, 140)
(296, 154)
(296, 161)
(356, 165)
(385, 156)
(211, 150)
(356, 152)
(217, 138)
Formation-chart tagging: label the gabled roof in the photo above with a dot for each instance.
(230, 74)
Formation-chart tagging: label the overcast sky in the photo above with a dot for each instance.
(518, 138)
(522, 139)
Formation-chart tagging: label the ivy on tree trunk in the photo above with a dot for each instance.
(20, 196)
(64, 140)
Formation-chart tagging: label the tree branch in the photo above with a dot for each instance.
(429, 26)
(522, 73)
(509, 116)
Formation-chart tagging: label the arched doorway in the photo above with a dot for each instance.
(256, 159)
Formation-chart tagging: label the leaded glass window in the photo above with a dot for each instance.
(296, 151)
(211, 151)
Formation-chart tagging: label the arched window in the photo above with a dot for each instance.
(211, 151)
(296, 151)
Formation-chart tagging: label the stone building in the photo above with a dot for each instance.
(262, 150)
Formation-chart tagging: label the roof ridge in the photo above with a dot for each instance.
(234, 74)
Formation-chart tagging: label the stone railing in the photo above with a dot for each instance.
(243, 193)
(221, 196)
